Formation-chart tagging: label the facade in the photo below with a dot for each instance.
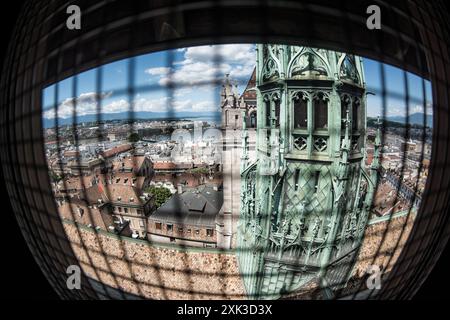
(234, 106)
(139, 165)
(191, 217)
(127, 206)
(120, 192)
(131, 207)
(305, 200)
(95, 215)
(234, 118)
(249, 97)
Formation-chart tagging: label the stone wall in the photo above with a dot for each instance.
(167, 273)
(385, 240)
(156, 272)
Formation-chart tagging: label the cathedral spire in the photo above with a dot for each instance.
(317, 143)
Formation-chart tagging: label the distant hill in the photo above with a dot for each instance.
(415, 118)
(201, 116)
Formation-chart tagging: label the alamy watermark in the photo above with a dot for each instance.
(73, 22)
(373, 282)
(374, 20)
(74, 279)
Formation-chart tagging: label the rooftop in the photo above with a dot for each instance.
(198, 207)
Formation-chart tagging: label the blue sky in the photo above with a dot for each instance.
(194, 71)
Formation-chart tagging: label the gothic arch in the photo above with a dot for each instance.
(270, 70)
(321, 95)
(275, 96)
(300, 94)
(308, 60)
(347, 69)
(253, 120)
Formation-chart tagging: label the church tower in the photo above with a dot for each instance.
(305, 201)
(231, 105)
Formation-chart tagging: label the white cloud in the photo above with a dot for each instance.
(86, 103)
(198, 73)
(420, 109)
(116, 106)
(208, 64)
(159, 71)
(394, 111)
(401, 111)
(204, 106)
(242, 54)
(140, 104)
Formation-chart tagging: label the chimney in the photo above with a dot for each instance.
(180, 188)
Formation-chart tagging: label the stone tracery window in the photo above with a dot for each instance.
(277, 112)
(253, 120)
(300, 112)
(348, 69)
(267, 111)
(320, 107)
(355, 114)
(308, 64)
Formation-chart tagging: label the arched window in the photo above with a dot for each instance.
(253, 119)
(277, 112)
(355, 114)
(300, 113)
(320, 113)
(267, 111)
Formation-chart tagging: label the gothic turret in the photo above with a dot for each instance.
(305, 201)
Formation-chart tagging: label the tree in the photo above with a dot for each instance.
(201, 170)
(161, 194)
(134, 137)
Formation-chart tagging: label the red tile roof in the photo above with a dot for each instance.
(78, 211)
(116, 150)
(171, 166)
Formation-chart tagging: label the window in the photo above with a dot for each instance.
(120, 209)
(209, 232)
(197, 231)
(141, 224)
(169, 228)
(253, 120)
(180, 230)
(277, 112)
(320, 114)
(125, 210)
(355, 115)
(158, 225)
(300, 114)
(268, 111)
(189, 231)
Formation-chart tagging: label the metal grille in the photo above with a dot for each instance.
(414, 37)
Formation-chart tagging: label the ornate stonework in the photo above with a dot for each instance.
(232, 105)
(305, 201)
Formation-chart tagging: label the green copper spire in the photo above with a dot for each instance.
(305, 200)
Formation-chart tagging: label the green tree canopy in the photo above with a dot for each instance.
(161, 194)
(134, 137)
